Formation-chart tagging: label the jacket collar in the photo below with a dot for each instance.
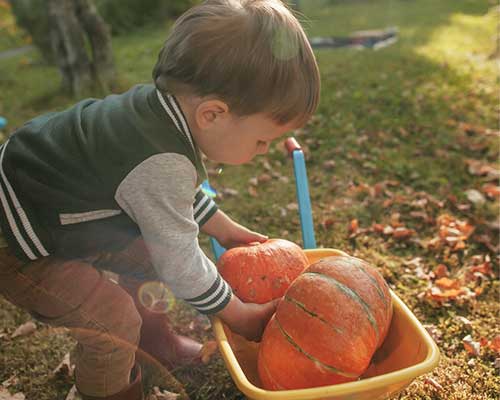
(174, 111)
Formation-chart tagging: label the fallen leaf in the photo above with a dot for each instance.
(73, 394)
(421, 274)
(230, 192)
(491, 191)
(441, 271)
(464, 321)
(388, 230)
(208, 350)
(263, 178)
(64, 368)
(484, 268)
(436, 293)
(378, 228)
(329, 164)
(353, 226)
(13, 380)
(472, 347)
(5, 395)
(252, 191)
(495, 344)
(402, 233)
(477, 129)
(24, 329)
(414, 262)
(435, 332)
(478, 168)
(447, 283)
(164, 394)
(435, 384)
(327, 223)
(475, 197)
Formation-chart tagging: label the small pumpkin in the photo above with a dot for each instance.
(328, 326)
(261, 272)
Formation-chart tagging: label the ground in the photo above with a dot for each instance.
(402, 159)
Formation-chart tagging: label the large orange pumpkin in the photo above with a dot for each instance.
(261, 272)
(328, 326)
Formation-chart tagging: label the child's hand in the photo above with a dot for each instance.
(229, 233)
(248, 319)
(238, 235)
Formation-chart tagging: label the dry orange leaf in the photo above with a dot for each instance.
(472, 347)
(208, 350)
(447, 283)
(492, 191)
(495, 344)
(353, 226)
(441, 271)
(252, 191)
(484, 268)
(402, 233)
(378, 228)
(450, 294)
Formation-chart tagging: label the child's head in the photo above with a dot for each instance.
(250, 54)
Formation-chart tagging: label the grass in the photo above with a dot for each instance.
(391, 125)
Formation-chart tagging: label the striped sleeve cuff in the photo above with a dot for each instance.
(214, 299)
(204, 207)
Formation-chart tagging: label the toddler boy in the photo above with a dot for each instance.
(114, 184)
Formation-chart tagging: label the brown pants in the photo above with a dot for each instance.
(100, 315)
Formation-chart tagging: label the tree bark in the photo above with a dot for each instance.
(68, 45)
(99, 36)
(71, 34)
(31, 15)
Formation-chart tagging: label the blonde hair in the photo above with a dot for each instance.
(251, 54)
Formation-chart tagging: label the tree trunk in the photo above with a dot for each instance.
(31, 15)
(68, 45)
(100, 41)
(72, 35)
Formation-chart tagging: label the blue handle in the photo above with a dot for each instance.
(305, 211)
(217, 249)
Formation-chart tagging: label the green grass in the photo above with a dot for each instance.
(386, 118)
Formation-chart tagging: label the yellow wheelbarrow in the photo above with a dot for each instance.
(407, 352)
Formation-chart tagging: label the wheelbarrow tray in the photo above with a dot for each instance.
(407, 352)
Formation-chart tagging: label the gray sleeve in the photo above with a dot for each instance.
(159, 195)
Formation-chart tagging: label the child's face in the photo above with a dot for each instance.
(237, 140)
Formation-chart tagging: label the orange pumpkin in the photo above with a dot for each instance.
(328, 326)
(261, 272)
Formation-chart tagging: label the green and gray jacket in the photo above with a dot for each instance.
(76, 182)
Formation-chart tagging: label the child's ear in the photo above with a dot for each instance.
(210, 112)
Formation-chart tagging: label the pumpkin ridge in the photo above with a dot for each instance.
(351, 293)
(311, 357)
(271, 378)
(312, 314)
(375, 283)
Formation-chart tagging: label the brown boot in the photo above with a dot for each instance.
(157, 336)
(132, 392)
